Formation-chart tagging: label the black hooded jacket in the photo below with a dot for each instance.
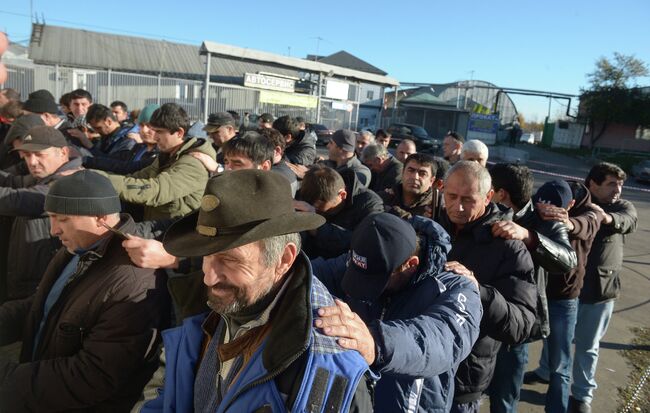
(333, 238)
(302, 151)
(504, 270)
(586, 223)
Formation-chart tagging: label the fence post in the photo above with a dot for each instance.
(320, 89)
(158, 89)
(57, 87)
(109, 92)
(206, 87)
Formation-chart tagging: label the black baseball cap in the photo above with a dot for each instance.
(216, 120)
(21, 125)
(266, 117)
(40, 138)
(380, 244)
(345, 139)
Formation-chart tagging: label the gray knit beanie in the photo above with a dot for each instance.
(82, 193)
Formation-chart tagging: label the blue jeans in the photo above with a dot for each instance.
(562, 318)
(508, 378)
(591, 326)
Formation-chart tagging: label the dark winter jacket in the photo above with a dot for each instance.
(505, 272)
(394, 202)
(124, 162)
(98, 345)
(333, 238)
(387, 178)
(302, 151)
(552, 252)
(586, 223)
(113, 144)
(602, 275)
(421, 333)
(282, 168)
(32, 246)
(362, 171)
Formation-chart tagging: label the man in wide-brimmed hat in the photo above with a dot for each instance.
(258, 349)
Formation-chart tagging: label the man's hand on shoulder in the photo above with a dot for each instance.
(339, 321)
(605, 218)
(148, 253)
(458, 268)
(510, 230)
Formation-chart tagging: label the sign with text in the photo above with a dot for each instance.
(483, 127)
(290, 99)
(269, 82)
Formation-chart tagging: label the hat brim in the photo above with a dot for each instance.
(362, 286)
(211, 128)
(32, 147)
(182, 239)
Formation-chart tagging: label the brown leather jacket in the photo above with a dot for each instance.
(98, 344)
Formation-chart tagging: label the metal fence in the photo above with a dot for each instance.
(106, 86)
(138, 90)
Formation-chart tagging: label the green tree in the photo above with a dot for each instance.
(617, 73)
(613, 96)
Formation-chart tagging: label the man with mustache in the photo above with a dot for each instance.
(257, 350)
(415, 194)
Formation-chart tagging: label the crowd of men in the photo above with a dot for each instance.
(149, 264)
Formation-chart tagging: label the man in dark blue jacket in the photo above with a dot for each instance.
(411, 320)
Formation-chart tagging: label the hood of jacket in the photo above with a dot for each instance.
(190, 145)
(73, 163)
(582, 198)
(305, 138)
(435, 244)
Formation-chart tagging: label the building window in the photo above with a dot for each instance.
(370, 94)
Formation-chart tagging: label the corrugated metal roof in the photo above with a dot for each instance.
(87, 49)
(94, 50)
(345, 59)
(223, 50)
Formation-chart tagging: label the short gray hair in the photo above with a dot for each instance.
(368, 134)
(273, 247)
(374, 151)
(475, 146)
(475, 172)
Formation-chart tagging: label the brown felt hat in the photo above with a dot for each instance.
(238, 207)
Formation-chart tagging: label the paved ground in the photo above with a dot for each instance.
(631, 309)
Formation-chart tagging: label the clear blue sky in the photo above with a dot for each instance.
(541, 45)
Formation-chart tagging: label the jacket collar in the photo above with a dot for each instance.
(481, 229)
(74, 163)
(126, 225)
(423, 199)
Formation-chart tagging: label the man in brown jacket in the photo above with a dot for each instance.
(90, 331)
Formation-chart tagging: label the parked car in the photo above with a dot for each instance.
(527, 138)
(422, 139)
(641, 171)
(323, 134)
